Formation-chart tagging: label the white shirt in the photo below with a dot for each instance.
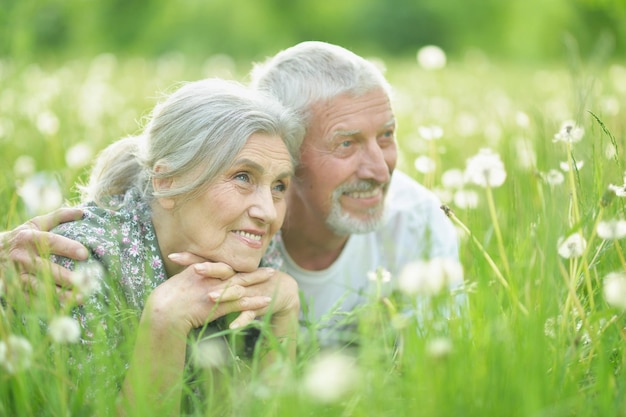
(414, 227)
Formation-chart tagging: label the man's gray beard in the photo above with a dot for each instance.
(341, 223)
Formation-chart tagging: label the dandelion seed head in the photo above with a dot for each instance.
(466, 199)
(485, 169)
(16, 354)
(381, 275)
(526, 156)
(64, 330)
(453, 179)
(330, 377)
(571, 247)
(79, 155)
(569, 132)
(522, 119)
(612, 229)
(565, 166)
(431, 57)
(47, 123)
(211, 353)
(430, 277)
(554, 177)
(40, 193)
(439, 347)
(614, 290)
(424, 164)
(610, 151)
(619, 190)
(430, 132)
(86, 278)
(24, 166)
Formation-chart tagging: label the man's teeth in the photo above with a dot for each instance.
(248, 235)
(363, 194)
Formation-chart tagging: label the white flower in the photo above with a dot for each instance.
(381, 274)
(431, 57)
(572, 247)
(330, 377)
(24, 166)
(87, 277)
(485, 169)
(577, 166)
(612, 229)
(452, 178)
(430, 277)
(41, 193)
(64, 330)
(614, 290)
(554, 177)
(569, 132)
(424, 164)
(430, 132)
(439, 347)
(211, 353)
(15, 354)
(47, 123)
(466, 199)
(78, 155)
(619, 190)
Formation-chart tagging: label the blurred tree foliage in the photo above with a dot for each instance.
(251, 29)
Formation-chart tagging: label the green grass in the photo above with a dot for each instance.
(539, 338)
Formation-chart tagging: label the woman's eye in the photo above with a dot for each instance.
(345, 143)
(242, 176)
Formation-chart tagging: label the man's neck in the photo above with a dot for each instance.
(311, 249)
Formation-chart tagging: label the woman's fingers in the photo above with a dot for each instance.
(243, 319)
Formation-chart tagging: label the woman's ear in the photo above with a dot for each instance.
(163, 184)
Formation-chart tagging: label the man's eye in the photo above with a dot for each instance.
(346, 143)
(280, 187)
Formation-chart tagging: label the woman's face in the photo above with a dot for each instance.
(235, 217)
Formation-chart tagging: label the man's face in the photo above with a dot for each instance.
(347, 157)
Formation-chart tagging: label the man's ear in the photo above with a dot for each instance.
(163, 184)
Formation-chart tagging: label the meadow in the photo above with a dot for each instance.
(530, 162)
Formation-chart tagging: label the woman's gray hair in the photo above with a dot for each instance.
(199, 129)
(311, 72)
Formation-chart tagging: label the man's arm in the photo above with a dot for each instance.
(23, 245)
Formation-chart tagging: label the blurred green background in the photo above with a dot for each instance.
(513, 30)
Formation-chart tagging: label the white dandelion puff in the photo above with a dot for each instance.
(380, 275)
(87, 277)
(577, 165)
(485, 169)
(24, 166)
(612, 229)
(210, 353)
(429, 133)
(47, 123)
(79, 155)
(64, 330)
(453, 179)
(569, 132)
(16, 354)
(439, 347)
(572, 247)
(424, 164)
(40, 193)
(554, 177)
(619, 190)
(614, 290)
(430, 277)
(330, 377)
(466, 199)
(431, 57)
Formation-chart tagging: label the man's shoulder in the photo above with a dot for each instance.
(405, 193)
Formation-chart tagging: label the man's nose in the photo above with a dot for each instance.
(373, 164)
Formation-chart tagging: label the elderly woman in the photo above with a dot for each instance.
(207, 177)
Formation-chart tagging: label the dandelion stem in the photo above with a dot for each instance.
(620, 253)
(572, 181)
(496, 226)
(488, 258)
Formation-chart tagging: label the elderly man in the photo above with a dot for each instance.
(349, 212)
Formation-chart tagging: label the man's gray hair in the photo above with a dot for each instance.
(311, 72)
